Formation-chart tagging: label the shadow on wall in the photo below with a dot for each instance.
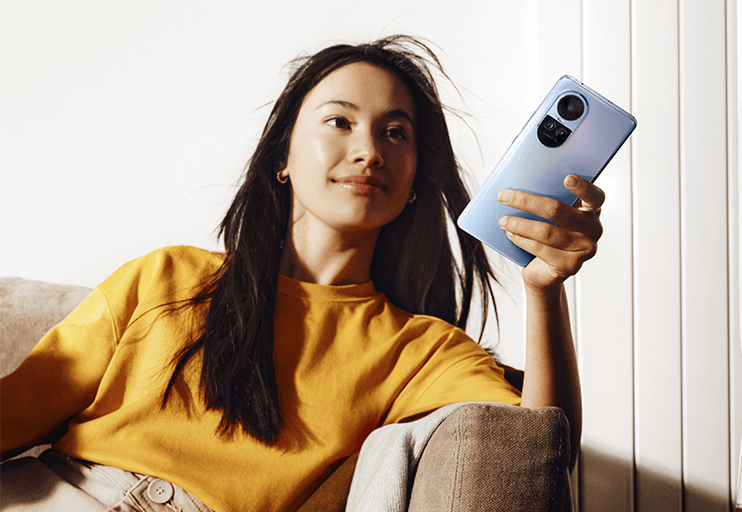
(606, 485)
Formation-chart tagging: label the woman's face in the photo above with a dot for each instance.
(353, 151)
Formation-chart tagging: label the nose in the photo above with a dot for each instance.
(365, 149)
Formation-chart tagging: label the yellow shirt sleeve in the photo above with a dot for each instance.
(59, 377)
(62, 375)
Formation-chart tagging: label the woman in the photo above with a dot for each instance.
(245, 378)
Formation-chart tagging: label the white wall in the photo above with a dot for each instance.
(125, 126)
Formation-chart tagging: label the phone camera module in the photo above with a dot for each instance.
(571, 107)
(552, 133)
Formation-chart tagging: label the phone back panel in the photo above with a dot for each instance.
(530, 166)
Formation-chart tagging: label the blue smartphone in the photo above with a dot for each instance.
(575, 130)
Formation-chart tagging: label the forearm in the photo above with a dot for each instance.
(551, 375)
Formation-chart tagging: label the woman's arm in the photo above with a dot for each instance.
(551, 376)
(59, 377)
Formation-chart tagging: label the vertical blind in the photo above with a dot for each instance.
(657, 312)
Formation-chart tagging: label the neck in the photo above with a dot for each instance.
(329, 257)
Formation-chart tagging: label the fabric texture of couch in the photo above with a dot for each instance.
(481, 457)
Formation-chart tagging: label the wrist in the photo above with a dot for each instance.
(549, 292)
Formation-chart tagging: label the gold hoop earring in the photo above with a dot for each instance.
(412, 197)
(282, 181)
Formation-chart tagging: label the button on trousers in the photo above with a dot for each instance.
(56, 482)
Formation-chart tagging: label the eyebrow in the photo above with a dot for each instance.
(392, 114)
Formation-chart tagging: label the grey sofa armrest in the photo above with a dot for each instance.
(482, 457)
(492, 458)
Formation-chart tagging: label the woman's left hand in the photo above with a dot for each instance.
(562, 249)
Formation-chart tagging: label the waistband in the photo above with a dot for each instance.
(95, 487)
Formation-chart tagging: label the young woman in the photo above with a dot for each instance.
(244, 378)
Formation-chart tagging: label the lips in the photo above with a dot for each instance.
(361, 180)
(360, 184)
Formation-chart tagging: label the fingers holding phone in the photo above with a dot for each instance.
(591, 196)
(561, 248)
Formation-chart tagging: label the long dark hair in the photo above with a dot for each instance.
(413, 263)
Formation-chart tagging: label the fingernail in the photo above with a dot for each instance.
(503, 222)
(504, 196)
(570, 181)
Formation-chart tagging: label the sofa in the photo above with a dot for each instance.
(481, 457)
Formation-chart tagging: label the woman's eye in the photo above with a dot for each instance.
(338, 122)
(396, 133)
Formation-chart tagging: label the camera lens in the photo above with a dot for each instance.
(551, 133)
(571, 107)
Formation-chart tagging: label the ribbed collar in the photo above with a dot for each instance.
(325, 292)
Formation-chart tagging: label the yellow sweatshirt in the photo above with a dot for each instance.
(347, 362)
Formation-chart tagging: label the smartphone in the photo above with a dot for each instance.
(575, 130)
